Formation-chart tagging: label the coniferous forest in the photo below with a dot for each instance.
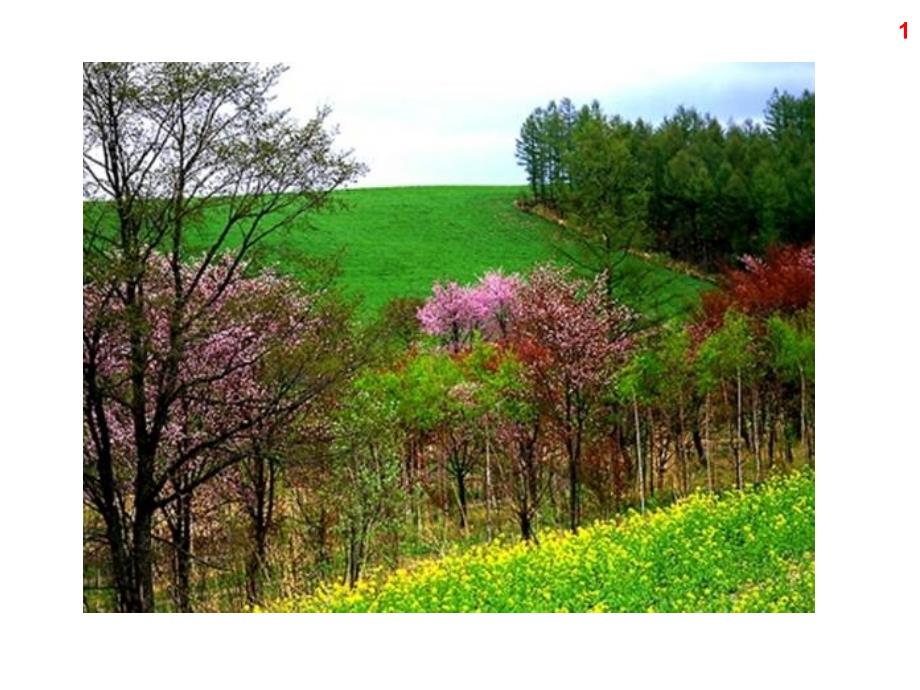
(690, 186)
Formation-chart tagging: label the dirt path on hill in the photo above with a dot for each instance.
(660, 259)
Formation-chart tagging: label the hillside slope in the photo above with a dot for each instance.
(395, 242)
(751, 551)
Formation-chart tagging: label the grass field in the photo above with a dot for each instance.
(395, 242)
(751, 551)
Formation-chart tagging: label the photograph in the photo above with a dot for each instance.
(429, 309)
(458, 349)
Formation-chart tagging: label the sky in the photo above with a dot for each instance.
(421, 128)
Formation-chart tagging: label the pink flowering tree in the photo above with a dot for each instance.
(455, 312)
(570, 338)
(449, 314)
(173, 393)
(172, 149)
(567, 333)
(495, 296)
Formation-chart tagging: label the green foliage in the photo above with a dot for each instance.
(726, 353)
(749, 551)
(705, 191)
(366, 466)
(674, 354)
(606, 196)
(659, 370)
(639, 377)
(792, 346)
(422, 388)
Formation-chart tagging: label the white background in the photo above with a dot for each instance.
(863, 634)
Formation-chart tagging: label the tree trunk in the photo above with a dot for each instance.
(261, 515)
(739, 469)
(255, 566)
(708, 448)
(182, 553)
(461, 498)
(771, 440)
(650, 448)
(573, 488)
(639, 454)
(614, 471)
(140, 599)
(755, 406)
(122, 572)
(416, 489)
(803, 422)
(488, 489)
(323, 554)
(698, 444)
(355, 555)
(789, 436)
(526, 527)
(573, 450)
(681, 450)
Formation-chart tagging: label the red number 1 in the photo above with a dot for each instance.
(904, 26)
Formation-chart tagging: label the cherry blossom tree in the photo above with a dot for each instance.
(570, 338)
(455, 312)
(171, 150)
(248, 355)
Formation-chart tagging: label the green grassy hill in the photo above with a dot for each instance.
(396, 242)
(751, 551)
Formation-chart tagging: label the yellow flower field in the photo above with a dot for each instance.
(750, 551)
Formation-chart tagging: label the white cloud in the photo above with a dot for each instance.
(443, 125)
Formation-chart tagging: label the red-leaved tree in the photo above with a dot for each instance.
(782, 282)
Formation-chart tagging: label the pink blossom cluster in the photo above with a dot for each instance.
(455, 312)
(210, 380)
(566, 331)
